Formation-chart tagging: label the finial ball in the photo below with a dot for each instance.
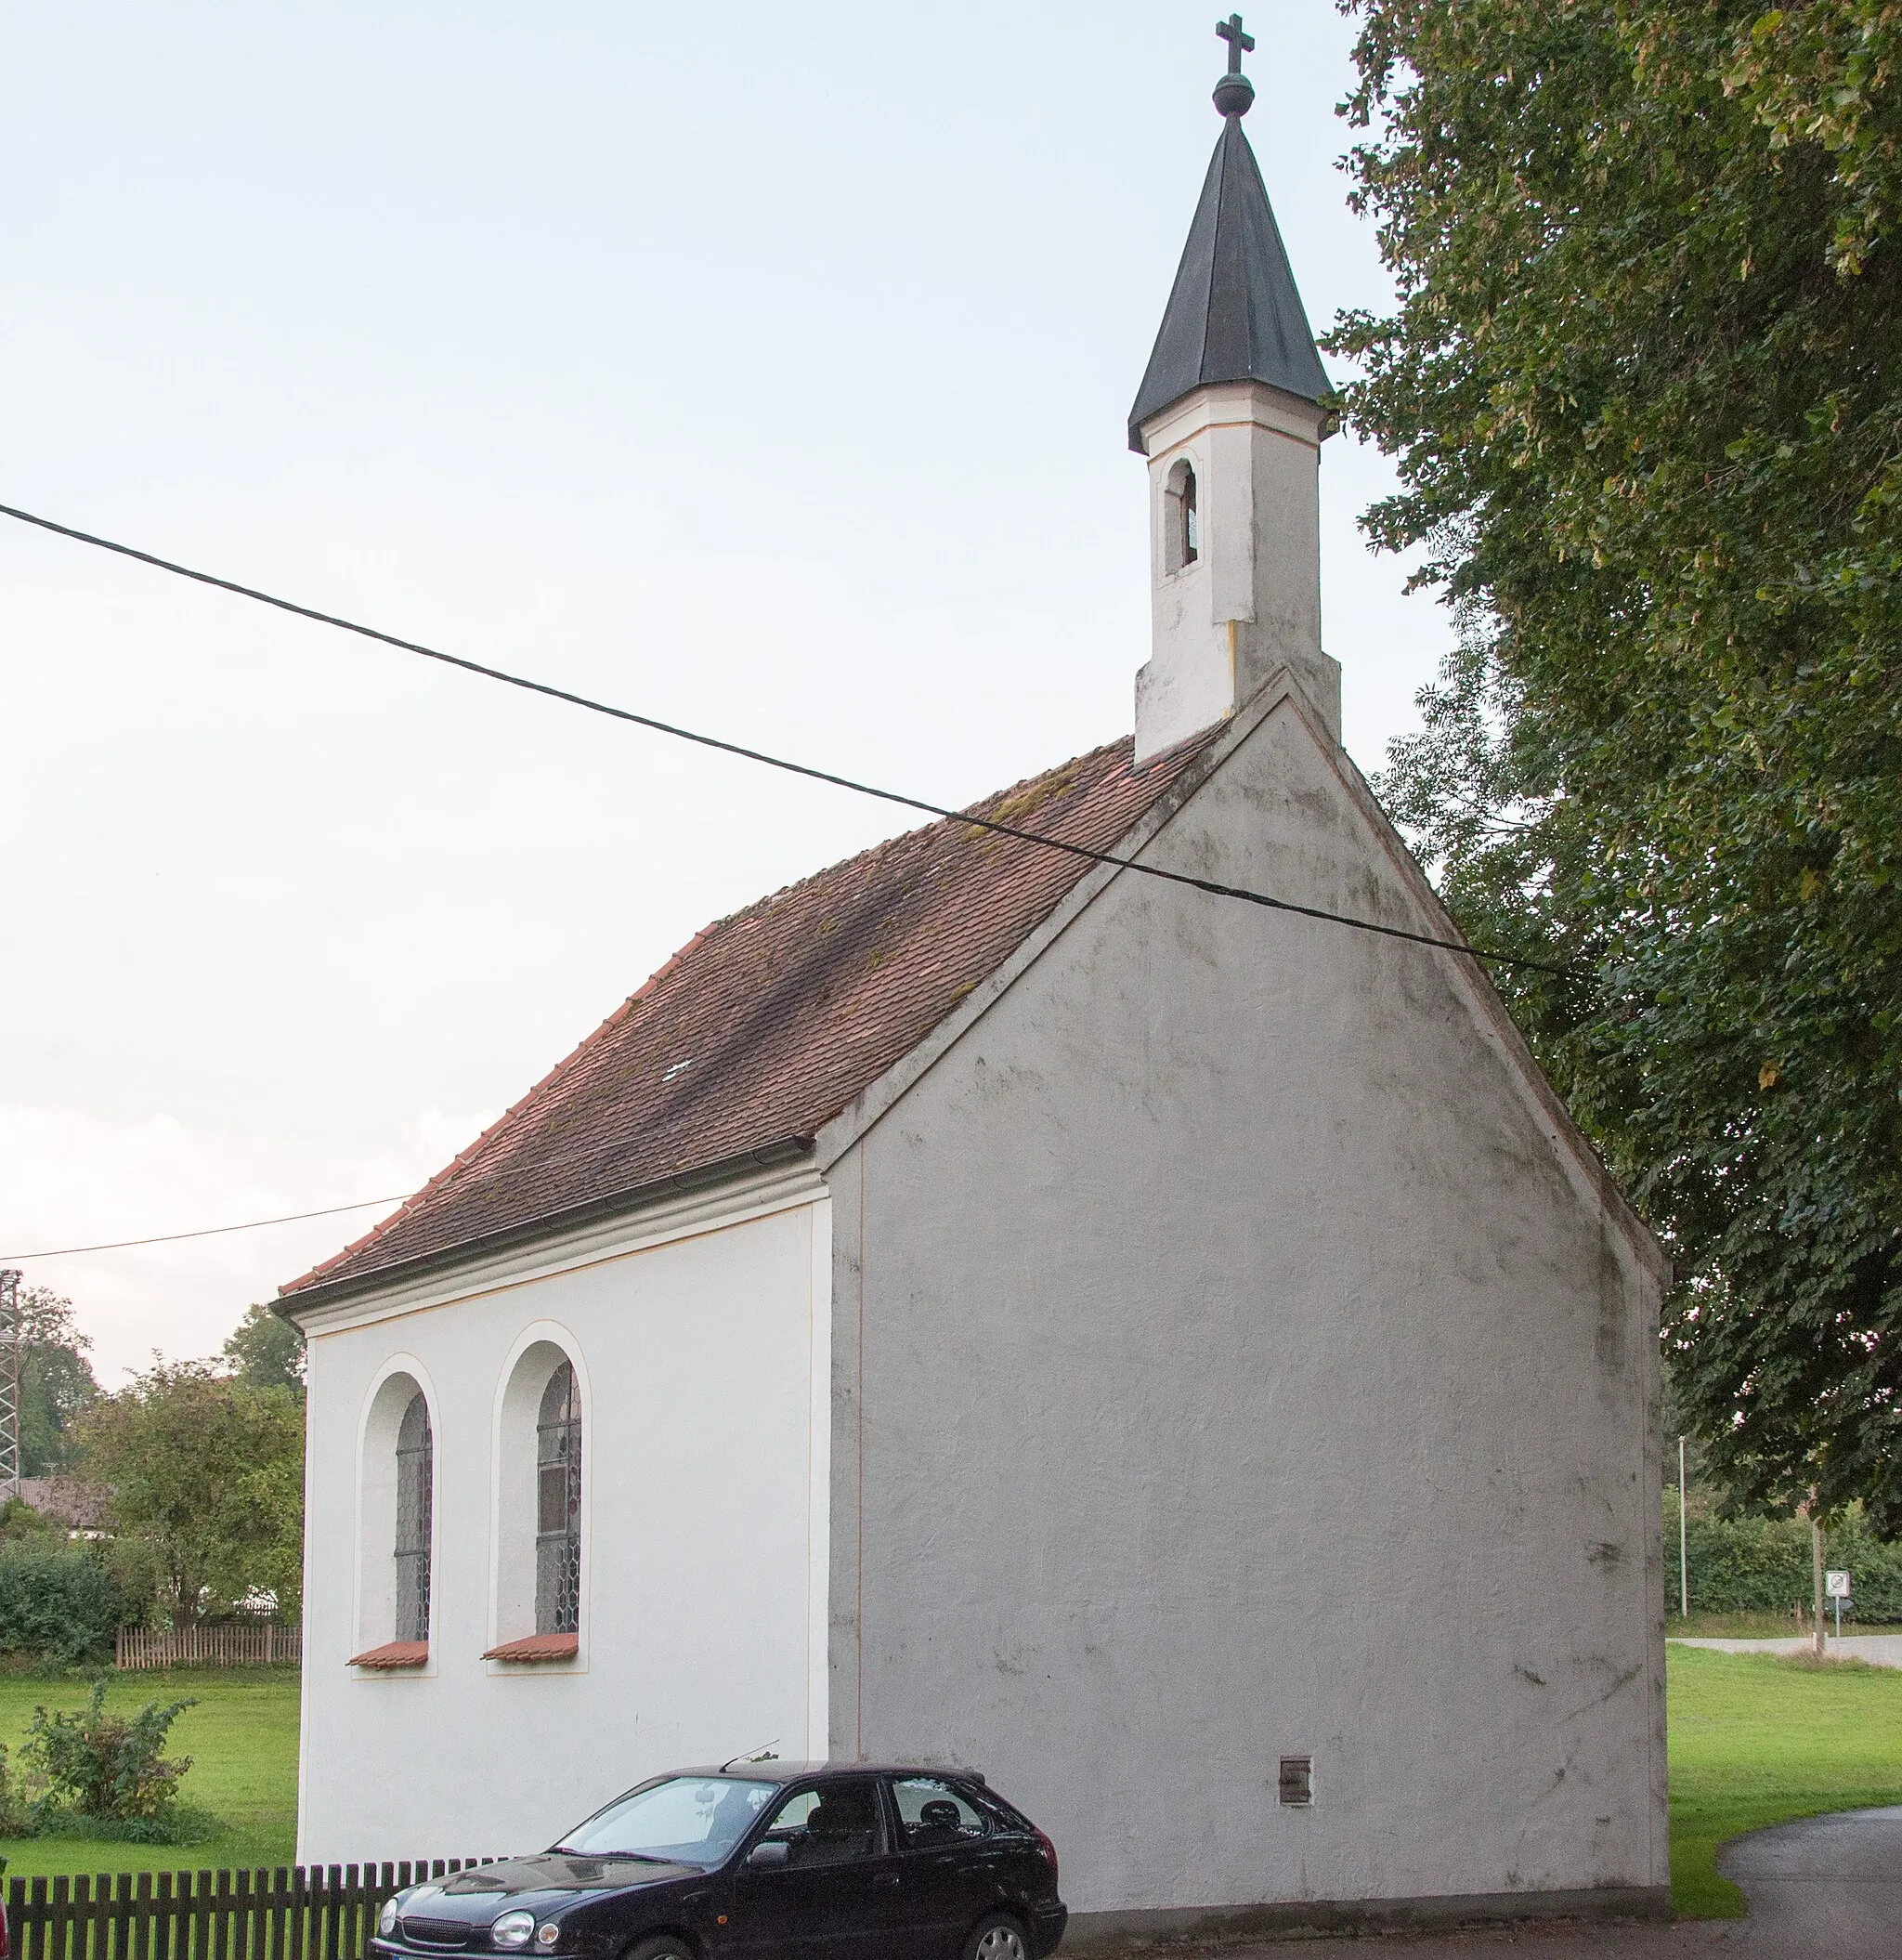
(1234, 92)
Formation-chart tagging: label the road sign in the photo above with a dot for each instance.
(1835, 1585)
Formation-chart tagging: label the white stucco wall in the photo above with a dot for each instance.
(704, 1364)
(1233, 1364)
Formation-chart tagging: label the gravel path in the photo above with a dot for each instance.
(1884, 1649)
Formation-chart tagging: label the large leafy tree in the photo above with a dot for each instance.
(265, 1351)
(57, 1384)
(1642, 380)
(207, 1482)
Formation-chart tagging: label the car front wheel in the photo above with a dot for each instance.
(661, 1946)
(996, 1936)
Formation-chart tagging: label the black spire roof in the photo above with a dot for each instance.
(1234, 313)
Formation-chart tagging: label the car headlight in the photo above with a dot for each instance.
(513, 1931)
(387, 1919)
(548, 1934)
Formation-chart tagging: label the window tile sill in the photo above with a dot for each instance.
(537, 1647)
(392, 1654)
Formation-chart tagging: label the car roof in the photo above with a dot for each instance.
(789, 1772)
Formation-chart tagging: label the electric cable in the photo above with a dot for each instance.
(167, 1239)
(1210, 885)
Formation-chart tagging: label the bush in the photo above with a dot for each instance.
(183, 1823)
(19, 1520)
(15, 1819)
(1762, 1564)
(58, 1601)
(106, 1766)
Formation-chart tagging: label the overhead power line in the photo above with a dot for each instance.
(168, 1238)
(1210, 885)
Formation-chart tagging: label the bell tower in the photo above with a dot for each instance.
(1231, 416)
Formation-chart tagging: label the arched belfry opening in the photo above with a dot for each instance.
(1182, 519)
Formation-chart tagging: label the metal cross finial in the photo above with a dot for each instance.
(1239, 43)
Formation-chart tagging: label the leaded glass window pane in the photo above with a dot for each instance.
(415, 1450)
(558, 1505)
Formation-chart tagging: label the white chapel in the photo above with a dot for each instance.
(991, 1306)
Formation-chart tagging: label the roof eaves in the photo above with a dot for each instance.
(463, 1158)
(311, 1292)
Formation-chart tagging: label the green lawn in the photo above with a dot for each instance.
(243, 1740)
(1754, 1740)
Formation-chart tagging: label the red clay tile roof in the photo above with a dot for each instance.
(765, 1024)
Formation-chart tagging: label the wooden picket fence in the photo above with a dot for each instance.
(308, 1912)
(228, 1644)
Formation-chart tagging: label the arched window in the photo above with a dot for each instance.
(395, 1518)
(415, 1455)
(558, 1505)
(536, 1562)
(1182, 520)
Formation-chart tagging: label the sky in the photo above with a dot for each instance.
(762, 372)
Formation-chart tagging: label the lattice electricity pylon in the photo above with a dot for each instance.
(9, 1381)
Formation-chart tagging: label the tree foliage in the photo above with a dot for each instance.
(207, 1482)
(56, 1381)
(60, 1601)
(265, 1351)
(1642, 380)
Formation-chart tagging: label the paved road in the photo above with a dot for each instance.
(1828, 1886)
(1883, 1649)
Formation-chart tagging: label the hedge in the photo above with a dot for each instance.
(1762, 1564)
(58, 1602)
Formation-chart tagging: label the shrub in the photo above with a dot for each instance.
(15, 1820)
(19, 1521)
(111, 1767)
(1762, 1564)
(58, 1601)
(183, 1823)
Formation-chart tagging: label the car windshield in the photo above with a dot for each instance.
(697, 1819)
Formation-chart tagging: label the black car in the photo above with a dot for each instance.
(828, 1861)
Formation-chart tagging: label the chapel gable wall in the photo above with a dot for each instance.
(1238, 1360)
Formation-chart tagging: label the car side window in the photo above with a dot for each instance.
(832, 1824)
(931, 1813)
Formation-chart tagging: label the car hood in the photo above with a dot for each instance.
(477, 1896)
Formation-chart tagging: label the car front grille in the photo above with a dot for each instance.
(446, 1934)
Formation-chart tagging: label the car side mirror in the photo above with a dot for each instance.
(770, 1853)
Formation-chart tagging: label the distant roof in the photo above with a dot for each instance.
(767, 1024)
(76, 1504)
(1234, 313)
